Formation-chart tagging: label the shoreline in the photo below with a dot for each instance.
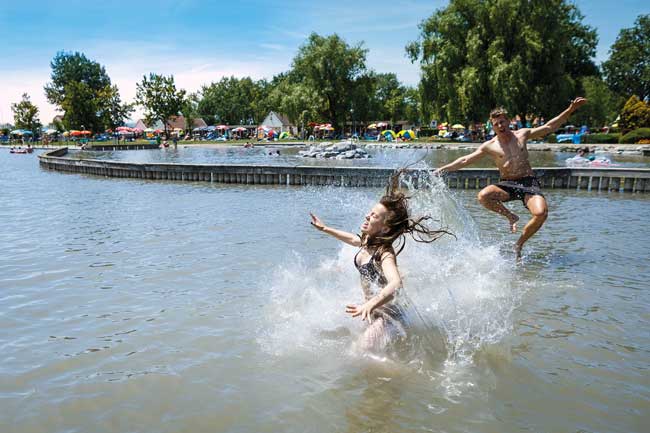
(633, 149)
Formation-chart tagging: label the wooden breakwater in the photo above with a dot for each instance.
(587, 178)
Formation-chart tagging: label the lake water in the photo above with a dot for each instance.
(131, 305)
(379, 157)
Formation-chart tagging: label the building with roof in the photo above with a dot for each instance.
(279, 122)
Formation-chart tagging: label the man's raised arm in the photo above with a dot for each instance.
(463, 160)
(557, 121)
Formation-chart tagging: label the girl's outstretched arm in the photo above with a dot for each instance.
(394, 282)
(348, 238)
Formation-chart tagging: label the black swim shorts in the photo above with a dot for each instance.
(517, 189)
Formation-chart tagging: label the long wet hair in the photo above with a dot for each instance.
(399, 222)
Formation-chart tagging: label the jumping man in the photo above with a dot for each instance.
(518, 182)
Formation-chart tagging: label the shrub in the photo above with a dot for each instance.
(635, 114)
(600, 138)
(635, 136)
(551, 138)
(427, 132)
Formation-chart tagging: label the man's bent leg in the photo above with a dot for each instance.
(538, 208)
(492, 198)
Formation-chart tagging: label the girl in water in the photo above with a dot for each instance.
(387, 223)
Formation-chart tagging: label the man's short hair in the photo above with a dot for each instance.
(499, 111)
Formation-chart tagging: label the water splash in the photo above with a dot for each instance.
(461, 291)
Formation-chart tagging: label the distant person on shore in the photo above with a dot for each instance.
(383, 230)
(518, 182)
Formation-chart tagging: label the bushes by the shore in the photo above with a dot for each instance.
(600, 138)
(427, 132)
(635, 136)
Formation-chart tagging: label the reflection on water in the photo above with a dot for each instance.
(129, 305)
(386, 157)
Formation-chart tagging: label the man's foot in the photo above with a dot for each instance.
(512, 219)
(518, 252)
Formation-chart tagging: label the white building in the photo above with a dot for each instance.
(280, 123)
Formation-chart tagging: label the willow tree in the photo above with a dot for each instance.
(527, 55)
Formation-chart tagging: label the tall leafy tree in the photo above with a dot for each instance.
(603, 106)
(627, 71)
(230, 100)
(81, 106)
(189, 110)
(330, 67)
(111, 109)
(26, 114)
(76, 85)
(158, 95)
(525, 55)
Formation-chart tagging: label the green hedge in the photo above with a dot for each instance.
(635, 136)
(427, 132)
(551, 138)
(600, 138)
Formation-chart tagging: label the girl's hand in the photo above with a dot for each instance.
(364, 311)
(316, 222)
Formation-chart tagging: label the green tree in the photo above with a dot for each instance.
(76, 85)
(525, 55)
(81, 107)
(230, 100)
(299, 102)
(635, 114)
(330, 68)
(26, 114)
(189, 110)
(159, 97)
(111, 109)
(627, 71)
(603, 107)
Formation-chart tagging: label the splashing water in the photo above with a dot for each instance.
(460, 292)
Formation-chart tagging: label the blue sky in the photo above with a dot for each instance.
(200, 41)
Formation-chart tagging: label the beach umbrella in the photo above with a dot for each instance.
(372, 126)
(239, 129)
(284, 135)
(123, 128)
(75, 133)
(50, 131)
(381, 124)
(149, 130)
(85, 132)
(457, 126)
(389, 132)
(221, 127)
(271, 133)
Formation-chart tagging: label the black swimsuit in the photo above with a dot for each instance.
(373, 277)
(517, 189)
